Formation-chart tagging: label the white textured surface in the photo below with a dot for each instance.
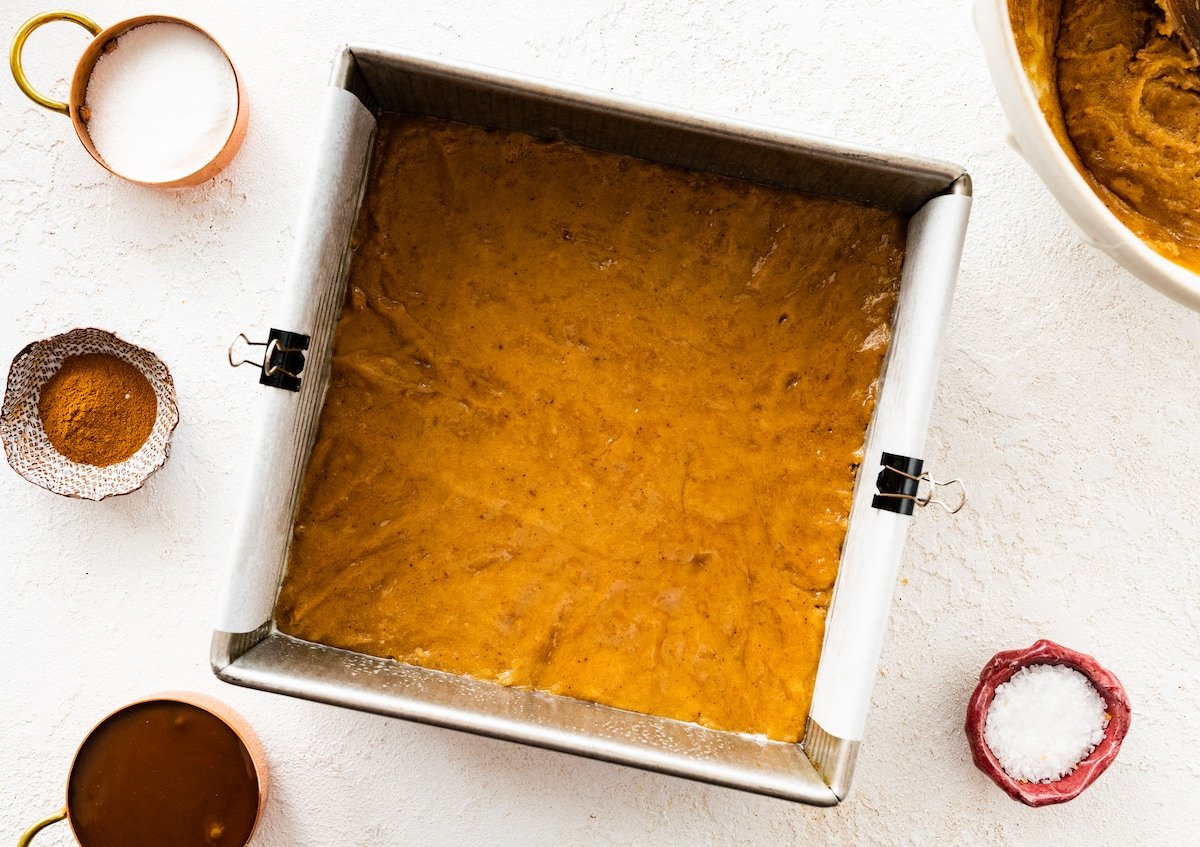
(1068, 403)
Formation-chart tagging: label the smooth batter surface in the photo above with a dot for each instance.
(593, 426)
(1129, 95)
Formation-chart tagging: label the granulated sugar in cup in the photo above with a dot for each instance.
(178, 769)
(161, 102)
(153, 99)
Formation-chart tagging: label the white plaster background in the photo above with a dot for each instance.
(1069, 401)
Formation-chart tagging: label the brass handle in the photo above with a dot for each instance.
(14, 55)
(40, 825)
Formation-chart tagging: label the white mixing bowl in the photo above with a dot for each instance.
(1033, 138)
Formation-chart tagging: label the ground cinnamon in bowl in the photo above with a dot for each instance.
(88, 415)
(97, 409)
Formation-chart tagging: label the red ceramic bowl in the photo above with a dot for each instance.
(1000, 670)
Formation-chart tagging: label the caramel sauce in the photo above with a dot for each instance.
(163, 774)
(593, 426)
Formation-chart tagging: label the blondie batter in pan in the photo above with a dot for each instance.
(593, 425)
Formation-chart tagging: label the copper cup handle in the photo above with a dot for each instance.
(18, 45)
(40, 825)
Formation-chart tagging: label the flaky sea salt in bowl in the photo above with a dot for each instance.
(1045, 722)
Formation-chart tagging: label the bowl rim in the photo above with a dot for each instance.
(1031, 135)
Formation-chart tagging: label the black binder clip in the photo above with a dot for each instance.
(899, 486)
(282, 364)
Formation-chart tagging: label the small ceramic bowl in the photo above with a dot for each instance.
(30, 452)
(1000, 670)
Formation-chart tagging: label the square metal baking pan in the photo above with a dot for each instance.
(247, 649)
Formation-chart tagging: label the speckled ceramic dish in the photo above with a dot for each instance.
(29, 450)
(1000, 670)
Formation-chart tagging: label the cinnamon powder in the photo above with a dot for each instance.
(97, 409)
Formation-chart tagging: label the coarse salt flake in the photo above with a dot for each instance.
(161, 102)
(1044, 721)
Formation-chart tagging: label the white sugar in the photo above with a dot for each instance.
(1043, 722)
(161, 103)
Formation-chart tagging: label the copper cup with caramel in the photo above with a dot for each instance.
(87, 414)
(178, 768)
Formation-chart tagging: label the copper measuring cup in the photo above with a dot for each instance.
(215, 707)
(76, 109)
